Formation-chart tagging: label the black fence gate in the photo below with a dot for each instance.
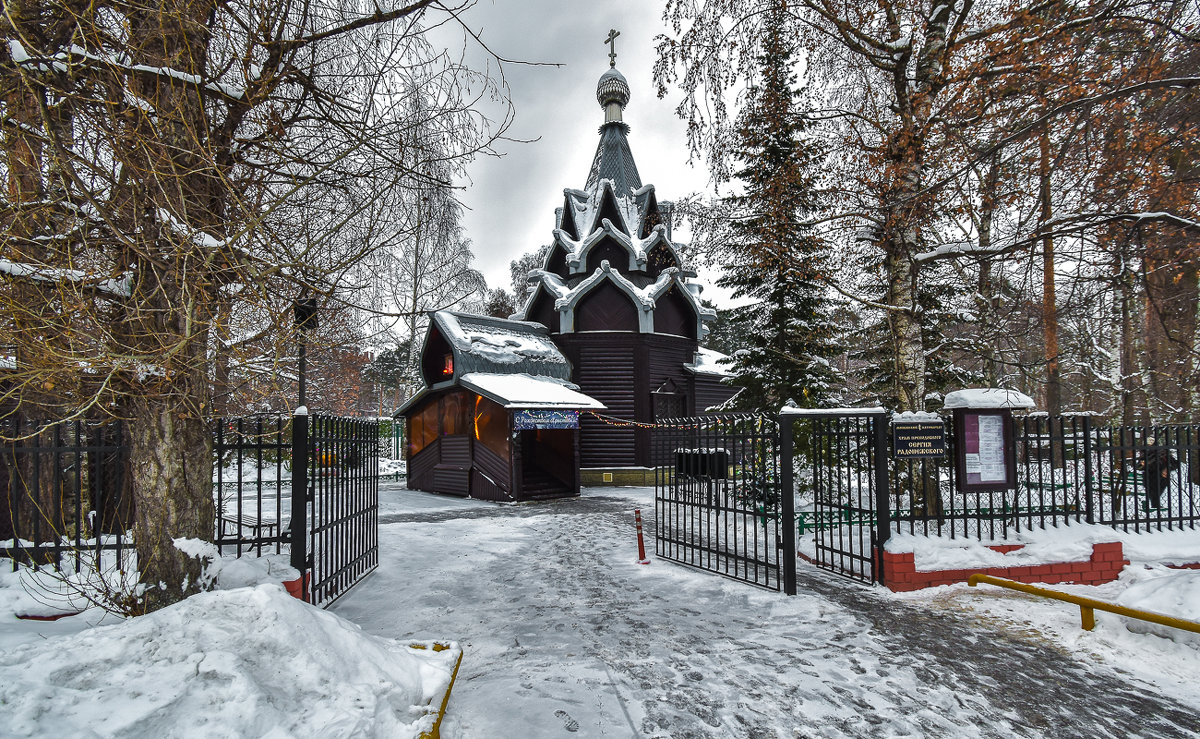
(64, 494)
(842, 493)
(343, 504)
(717, 498)
(319, 470)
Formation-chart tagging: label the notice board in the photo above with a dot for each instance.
(985, 450)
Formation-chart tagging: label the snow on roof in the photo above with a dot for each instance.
(585, 208)
(990, 397)
(709, 362)
(526, 391)
(789, 410)
(916, 417)
(499, 340)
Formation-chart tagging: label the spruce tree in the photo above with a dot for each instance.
(775, 258)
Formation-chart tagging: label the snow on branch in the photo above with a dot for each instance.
(121, 287)
(59, 61)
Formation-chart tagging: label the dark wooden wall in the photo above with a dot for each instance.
(543, 311)
(606, 308)
(673, 314)
(609, 250)
(621, 370)
(708, 391)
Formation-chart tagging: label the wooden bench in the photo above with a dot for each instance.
(256, 526)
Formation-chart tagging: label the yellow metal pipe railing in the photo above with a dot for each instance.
(1087, 606)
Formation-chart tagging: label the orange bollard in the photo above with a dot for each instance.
(637, 517)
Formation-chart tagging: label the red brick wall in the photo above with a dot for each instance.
(901, 574)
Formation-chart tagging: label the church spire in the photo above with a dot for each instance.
(614, 160)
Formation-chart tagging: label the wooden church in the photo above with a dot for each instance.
(620, 307)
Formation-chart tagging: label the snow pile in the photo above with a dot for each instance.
(916, 417)
(76, 586)
(990, 397)
(1042, 546)
(526, 391)
(392, 467)
(1168, 592)
(246, 662)
(499, 341)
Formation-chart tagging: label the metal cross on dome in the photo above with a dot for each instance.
(612, 46)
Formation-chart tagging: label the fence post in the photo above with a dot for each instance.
(883, 517)
(299, 524)
(787, 503)
(1088, 485)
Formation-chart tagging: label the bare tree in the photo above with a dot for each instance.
(178, 173)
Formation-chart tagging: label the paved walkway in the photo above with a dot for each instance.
(565, 635)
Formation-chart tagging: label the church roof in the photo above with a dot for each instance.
(614, 160)
(518, 391)
(498, 345)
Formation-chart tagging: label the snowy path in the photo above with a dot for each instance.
(564, 634)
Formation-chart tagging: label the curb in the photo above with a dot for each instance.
(435, 731)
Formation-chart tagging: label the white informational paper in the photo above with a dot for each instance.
(992, 467)
(972, 464)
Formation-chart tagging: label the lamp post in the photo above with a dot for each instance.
(306, 319)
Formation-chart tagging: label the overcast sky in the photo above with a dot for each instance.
(511, 199)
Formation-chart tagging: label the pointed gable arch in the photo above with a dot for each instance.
(434, 357)
(674, 314)
(542, 310)
(556, 260)
(568, 224)
(608, 209)
(607, 249)
(606, 307)
(651, 217)
(661, 256)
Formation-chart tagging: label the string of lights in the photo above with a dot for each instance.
(626, 423)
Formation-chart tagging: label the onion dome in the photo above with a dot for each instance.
(612, 88)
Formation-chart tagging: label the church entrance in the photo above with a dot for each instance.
(547, 462)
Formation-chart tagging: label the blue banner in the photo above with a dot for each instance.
(530, 420)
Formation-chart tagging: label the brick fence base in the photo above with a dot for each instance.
(1107, 560)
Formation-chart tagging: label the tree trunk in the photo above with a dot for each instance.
(1171, 296)
(168, 317)
(1129, 365)
(908, 348)
(1049, 307)
(987, 301)
(171, 453)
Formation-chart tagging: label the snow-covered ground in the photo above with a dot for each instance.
(563, 633)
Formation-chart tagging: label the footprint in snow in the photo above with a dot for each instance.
(569, 723)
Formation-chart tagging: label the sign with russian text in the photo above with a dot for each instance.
(918, 439)
(545, 419)
(986, 450)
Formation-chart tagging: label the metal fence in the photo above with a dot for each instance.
(717, 498)
(343, 510)
(252, 472)
(68, 498)
(66, 493)
(844, 483)
(1068, 471)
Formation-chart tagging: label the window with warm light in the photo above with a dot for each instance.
(448, 365)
